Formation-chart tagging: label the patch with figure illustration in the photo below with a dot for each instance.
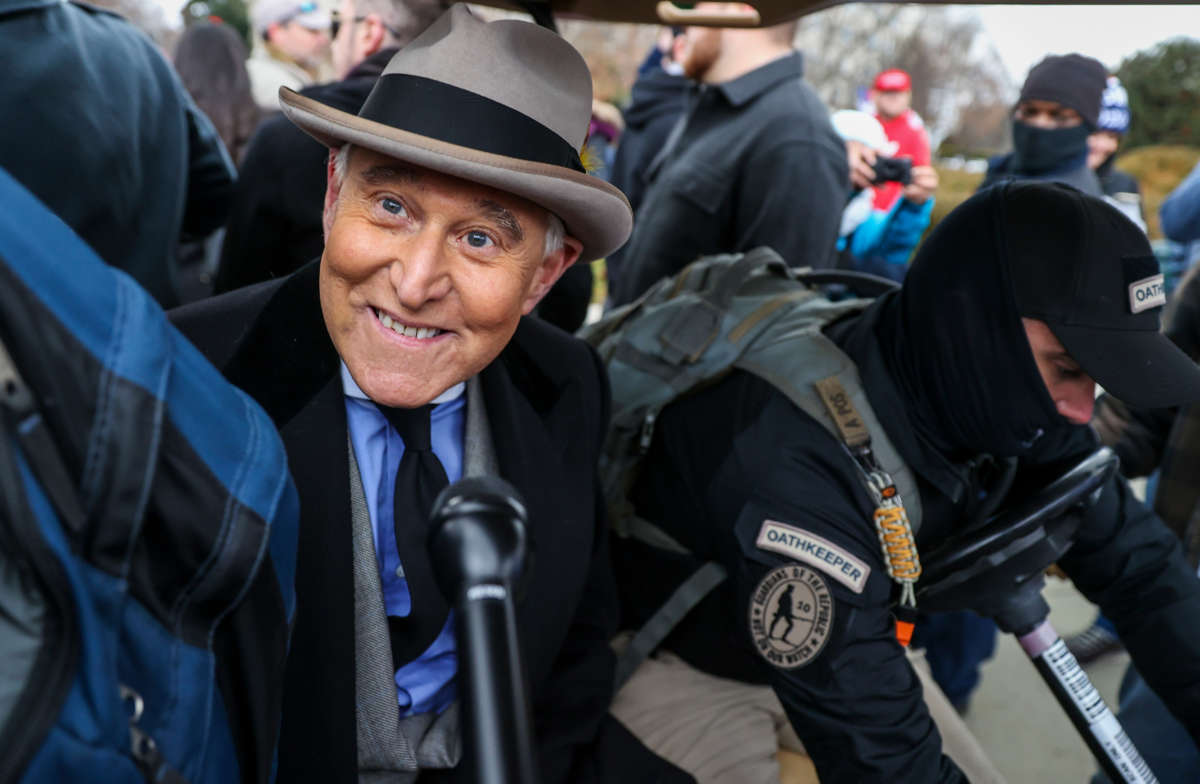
(791, 616)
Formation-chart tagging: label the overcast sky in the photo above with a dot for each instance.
(1023, 34)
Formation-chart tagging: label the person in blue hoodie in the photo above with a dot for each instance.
(870, 239)
(1059, 107)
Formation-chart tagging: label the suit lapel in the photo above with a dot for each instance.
(318, 741)
(287, 363)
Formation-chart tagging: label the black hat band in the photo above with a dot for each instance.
(451, 114)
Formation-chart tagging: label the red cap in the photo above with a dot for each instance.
(892, 80)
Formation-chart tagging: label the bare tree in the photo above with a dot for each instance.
(953, 66)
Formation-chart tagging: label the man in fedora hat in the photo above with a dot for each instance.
(401, 362)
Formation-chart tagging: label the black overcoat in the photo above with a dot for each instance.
(547, 405)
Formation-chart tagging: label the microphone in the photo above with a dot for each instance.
(478, 548)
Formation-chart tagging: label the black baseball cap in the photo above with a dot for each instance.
(1086, 270)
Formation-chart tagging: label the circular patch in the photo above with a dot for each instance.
(791, 615)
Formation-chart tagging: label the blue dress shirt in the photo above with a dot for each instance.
(427, 683)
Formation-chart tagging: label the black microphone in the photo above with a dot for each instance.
(478, 547)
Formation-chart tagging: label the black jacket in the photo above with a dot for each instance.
(757, 164)
(1076, 174)
(655, 105)
(98, 126)
(728, 459)
(547, 402)
(275, 221)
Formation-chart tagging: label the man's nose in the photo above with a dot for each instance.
(1077, 402)
(421, 273)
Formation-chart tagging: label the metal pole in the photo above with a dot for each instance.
(1085, 707)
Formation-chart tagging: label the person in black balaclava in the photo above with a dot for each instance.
(1058, 109)
(1056, 114)
(984, 359)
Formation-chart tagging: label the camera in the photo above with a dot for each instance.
(893, 170)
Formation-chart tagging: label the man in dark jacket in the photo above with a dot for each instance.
(99, 127)
(655, 105)
(275, 223)
(966, 367)
(1059, 107)
(755, 162)
(401, 362)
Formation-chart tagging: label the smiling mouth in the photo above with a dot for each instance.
(408, 331)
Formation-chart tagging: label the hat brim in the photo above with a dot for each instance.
(593, 211)
(1143, 369)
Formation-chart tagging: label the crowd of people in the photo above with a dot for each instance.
(378, 223)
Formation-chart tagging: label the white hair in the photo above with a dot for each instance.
(556, 232)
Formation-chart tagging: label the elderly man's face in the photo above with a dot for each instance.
(425, 276)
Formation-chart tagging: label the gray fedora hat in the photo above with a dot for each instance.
(505, 104)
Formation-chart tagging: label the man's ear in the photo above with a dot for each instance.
(332, 189)
(550, 270)
(374, 34)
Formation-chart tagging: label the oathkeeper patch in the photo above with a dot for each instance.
(813, 550)
(791, 616)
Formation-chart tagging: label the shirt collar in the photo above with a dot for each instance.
(351, 389)
(749, 86)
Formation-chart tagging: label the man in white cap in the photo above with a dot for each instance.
(455, 200)
(291, 39)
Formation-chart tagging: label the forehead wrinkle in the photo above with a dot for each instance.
(504, 218)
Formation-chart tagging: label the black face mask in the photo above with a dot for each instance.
(1038, 150)
(955, 344)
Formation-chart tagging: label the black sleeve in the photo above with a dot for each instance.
(855, 703)
(274, 224)
(210, 175)
(1126, 560)
(791, 198)
(858, 706)
(1129, 563)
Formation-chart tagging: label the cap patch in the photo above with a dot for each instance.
(1141, 274)
(791, 616)
(1147, 293)
(813, 550)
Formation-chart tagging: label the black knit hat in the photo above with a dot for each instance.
(1070, 79)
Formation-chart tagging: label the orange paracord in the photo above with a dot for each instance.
(895, 536)
(898, 547)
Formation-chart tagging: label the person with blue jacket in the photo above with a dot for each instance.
(874, 240)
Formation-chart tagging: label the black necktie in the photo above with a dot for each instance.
(419, 479)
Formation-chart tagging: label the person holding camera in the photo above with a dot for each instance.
(891, 99)
(874, 239)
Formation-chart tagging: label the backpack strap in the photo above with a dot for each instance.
(690, 593)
